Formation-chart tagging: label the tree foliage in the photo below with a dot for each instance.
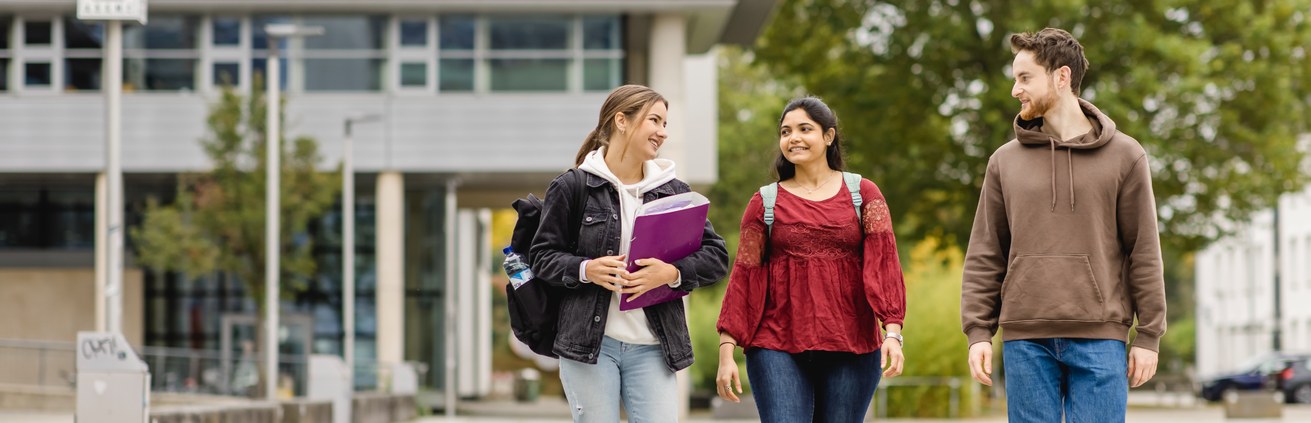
(1217, 92)
(216, 222)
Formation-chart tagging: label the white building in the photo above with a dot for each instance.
(481, 101)
(1236, 288)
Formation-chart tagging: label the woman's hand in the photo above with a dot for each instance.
(892, 359)
(607, 272)
(652, 274)
(727, 378)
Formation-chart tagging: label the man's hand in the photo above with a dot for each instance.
(981, 362)
(1142, 366)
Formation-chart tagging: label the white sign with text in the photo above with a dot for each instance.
(112, 10)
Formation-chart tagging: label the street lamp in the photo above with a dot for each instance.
(273, 141)
(348, 243)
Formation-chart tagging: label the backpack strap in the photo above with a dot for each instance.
(580, 202)
(769, 195)
(853, 185)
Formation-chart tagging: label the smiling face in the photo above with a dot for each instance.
(801, 139)
(644, 137)
(1035, 87)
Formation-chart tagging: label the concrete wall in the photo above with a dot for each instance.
(54, 304)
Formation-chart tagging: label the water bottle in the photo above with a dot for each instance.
(516, 268)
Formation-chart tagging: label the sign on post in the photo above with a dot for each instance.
(112, 10)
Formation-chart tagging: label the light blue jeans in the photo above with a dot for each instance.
(1085, 378)
(637, 374)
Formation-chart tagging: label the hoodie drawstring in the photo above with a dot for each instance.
(1053, 145)
(1069, 159)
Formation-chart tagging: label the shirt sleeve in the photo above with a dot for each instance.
(885, 286)
(744, 299)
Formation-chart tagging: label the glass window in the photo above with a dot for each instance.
(82, 74)
(163, 33)
(346, 32)
(456, 75)
(529, 74)
(4, 74)
(257, 71)
(601, 74)
(4, 32)
(457, 32)
(414, 33)
(343, 74)
(227, 74)
(151, 74)
(36, 74)
(80, 34)
(37, 33)
(414, 74)
(529, 33)
(601, 33)
(227, 31)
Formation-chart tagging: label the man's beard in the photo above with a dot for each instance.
(1038, 106)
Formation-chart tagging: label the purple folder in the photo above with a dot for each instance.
(667, 229)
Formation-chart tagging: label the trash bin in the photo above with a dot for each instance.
(527, 385)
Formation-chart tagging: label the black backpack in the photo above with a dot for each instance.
(535, 306)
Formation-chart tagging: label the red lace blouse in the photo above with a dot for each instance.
(827, 281)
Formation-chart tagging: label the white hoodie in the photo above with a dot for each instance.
(628, 326)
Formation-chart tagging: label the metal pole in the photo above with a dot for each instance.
(113, 82)
(1279, 318)
(271, 224)
(348, 255)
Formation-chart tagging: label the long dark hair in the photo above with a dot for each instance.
(631, 100)
(821, 114)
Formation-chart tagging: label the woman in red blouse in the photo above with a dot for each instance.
(806, 295)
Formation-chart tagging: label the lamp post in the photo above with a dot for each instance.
(348, 243)
(272, 226)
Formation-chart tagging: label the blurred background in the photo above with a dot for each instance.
(455, 108)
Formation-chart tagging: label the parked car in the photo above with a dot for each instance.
(1295, 380)
(1287, 372)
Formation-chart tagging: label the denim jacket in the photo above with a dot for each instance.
(556, 255)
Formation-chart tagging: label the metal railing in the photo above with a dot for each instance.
(954, 384)
(53, 364)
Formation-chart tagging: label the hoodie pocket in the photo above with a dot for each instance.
(1051, 287)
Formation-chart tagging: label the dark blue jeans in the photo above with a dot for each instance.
(813, 386)
(1085, 378)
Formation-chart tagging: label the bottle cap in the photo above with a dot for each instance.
(506, 250)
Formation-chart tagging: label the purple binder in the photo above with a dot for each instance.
(667, 235)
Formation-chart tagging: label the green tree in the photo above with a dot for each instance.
(216, 222)
(1216, 91)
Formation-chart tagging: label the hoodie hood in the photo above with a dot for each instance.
(655, 172)
(1029, 133)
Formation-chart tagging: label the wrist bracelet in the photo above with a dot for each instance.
(721, 344)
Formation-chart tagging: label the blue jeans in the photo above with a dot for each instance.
(813, 386)
(1085, 378)
(637, 374)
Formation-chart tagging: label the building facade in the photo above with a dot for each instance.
(481, 101)
(1236, 294)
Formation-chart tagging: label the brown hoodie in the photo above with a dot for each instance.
(1065, 248)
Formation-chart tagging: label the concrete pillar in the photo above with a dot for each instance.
(391, 267)
(668, 49)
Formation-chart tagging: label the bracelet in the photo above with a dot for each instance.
(721, 344)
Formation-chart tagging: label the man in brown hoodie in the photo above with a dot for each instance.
(1064, 253)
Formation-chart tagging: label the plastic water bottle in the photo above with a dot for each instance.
(516, 268)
